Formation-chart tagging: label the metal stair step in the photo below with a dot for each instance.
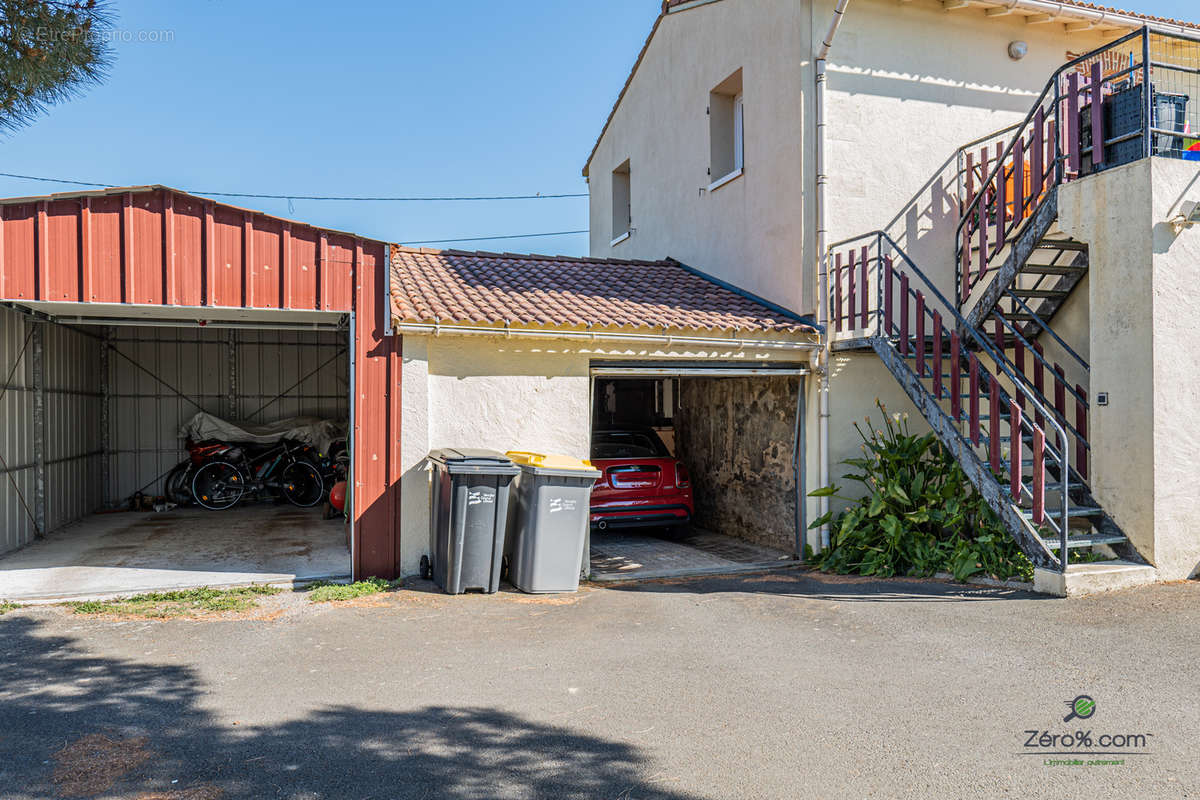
(1074, 542)
(1075, 512)
(1061, 244)
(1053, 269)
(1071, 486)
(1047, 293)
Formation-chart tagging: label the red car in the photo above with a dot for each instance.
(641, 484)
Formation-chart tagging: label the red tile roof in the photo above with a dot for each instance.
(457, 287)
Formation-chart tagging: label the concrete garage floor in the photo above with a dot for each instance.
(640, 554)
(782, 685)
(131, 552)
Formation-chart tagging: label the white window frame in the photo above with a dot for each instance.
(622, 227)
(738, 134)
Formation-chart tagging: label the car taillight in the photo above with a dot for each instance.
(682, 480)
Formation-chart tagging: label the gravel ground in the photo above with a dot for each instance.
(784, 685)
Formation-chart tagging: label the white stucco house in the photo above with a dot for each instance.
(1018, 288)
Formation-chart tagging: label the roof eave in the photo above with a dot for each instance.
(1099, 16)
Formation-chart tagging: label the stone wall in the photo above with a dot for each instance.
(735, 436)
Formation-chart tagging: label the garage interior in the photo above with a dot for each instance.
(107, 397)
(738, 432)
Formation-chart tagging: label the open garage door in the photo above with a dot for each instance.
(138, 262)
(702, 468)
(101, 495)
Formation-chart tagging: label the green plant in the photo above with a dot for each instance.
(52, 49)
(919, 516)
(326, 592)
(6, 606)
(178, 603)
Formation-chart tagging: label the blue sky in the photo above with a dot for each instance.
(390, 98)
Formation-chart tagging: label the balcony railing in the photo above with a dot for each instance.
(1095, 113)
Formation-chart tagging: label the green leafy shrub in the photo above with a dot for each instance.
(920, 514)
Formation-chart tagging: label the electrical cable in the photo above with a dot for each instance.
(347, 198)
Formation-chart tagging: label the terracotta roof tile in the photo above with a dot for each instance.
(457, 287)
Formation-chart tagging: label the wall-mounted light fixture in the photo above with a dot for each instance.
(1189, 215)
(1017, 50)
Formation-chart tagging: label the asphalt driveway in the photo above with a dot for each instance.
(783, 685)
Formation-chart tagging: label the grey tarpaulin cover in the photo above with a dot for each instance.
(311, 430)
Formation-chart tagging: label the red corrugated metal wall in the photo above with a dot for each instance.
(376, 421)
(161, 247)
(156, 246)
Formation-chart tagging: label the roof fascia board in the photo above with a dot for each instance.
(794, 340)
(1064, 11)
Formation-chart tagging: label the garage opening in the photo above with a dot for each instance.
(700, 467)
(109, 498)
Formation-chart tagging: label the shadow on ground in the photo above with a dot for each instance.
(841, 588)
(77, 725)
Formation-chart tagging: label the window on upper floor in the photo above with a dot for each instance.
(622, 216)
(726, 131)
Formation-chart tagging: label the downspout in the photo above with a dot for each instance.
(821, 367)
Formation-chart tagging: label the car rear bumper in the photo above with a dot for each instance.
(645, 515)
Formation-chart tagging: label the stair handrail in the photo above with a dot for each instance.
(1041, 359)
(1058, 455)
(1047, 329)
(965, 151)
(1053, 85)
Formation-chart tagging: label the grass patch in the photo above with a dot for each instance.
(6, 607)
(178, 603)
(326, 592)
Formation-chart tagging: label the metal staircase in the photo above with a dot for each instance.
(977, 367)
(998, 425)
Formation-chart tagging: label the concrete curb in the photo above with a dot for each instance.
(294, 583)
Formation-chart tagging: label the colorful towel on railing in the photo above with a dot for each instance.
(1191, 150)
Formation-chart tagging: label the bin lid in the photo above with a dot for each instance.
(551, 461)
(473, 458)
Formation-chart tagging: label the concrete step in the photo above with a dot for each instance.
(1100, 576)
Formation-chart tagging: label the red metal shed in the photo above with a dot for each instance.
(152, 255)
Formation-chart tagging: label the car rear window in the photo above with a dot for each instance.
(627, 444)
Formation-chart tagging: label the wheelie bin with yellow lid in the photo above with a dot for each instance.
(549, 521)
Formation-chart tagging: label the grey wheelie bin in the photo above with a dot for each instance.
(549, 521)
(467, 518)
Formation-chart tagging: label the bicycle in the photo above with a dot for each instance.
(220, 483)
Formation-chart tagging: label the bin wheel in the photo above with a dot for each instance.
(426, 568)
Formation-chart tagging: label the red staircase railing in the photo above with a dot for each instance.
(1029, 363)
(890, 302)
(1050, 146)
